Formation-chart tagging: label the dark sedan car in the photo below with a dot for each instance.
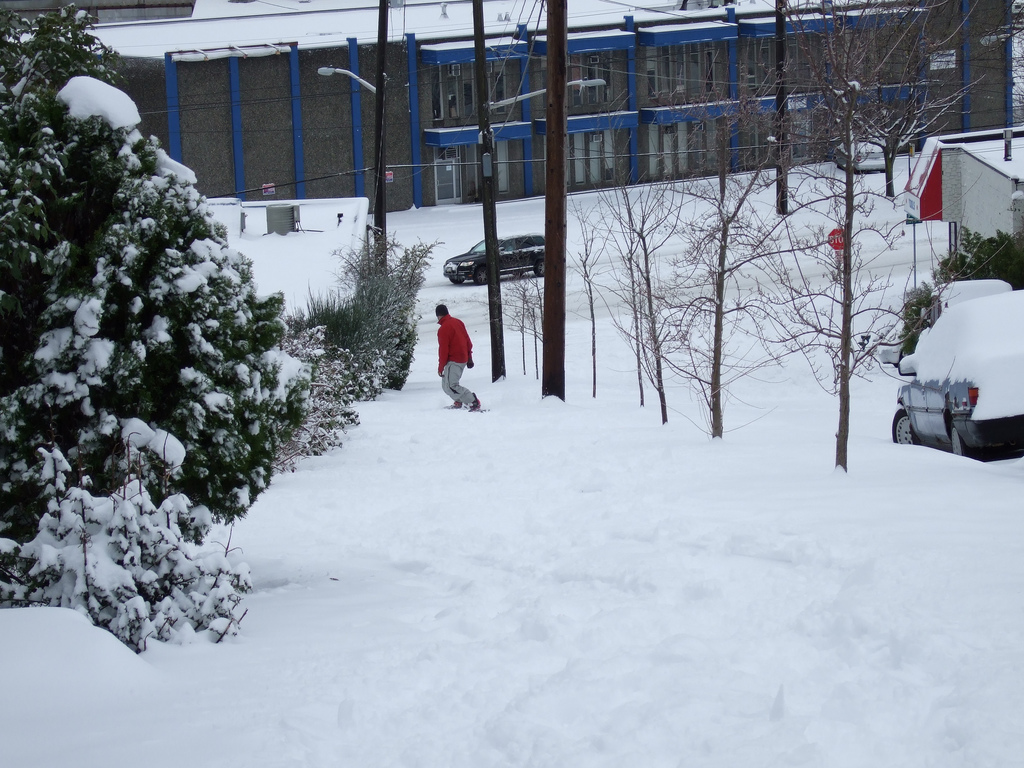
(967, 394)
(516, 255)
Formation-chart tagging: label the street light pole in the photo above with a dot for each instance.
(487, 196)
(380, 202)
(380, 206)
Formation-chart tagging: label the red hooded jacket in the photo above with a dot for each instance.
(453, 342)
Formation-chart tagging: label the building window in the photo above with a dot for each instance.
(591, 158)
(501, 166)
(667, 146)
(666, 74)
(590, 66)
(454, 92)
(497, 87)
(760, 64)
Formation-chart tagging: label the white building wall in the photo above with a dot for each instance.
(975, 195)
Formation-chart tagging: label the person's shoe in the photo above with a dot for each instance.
(476, 404)
(455, 406)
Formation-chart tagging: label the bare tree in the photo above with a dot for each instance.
(523, 308)
(717, 320)
(905, 89)
(831, 295)
(589, 263)
(643, 221)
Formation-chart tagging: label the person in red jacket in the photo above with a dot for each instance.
(454, 355)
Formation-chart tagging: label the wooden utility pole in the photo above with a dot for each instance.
(781, 99)
(553, 376)
(380, 205)
(487, 195)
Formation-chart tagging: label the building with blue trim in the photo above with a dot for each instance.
(241, 102)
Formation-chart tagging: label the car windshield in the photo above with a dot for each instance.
(480, 247)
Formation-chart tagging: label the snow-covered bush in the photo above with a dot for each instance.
(120, 304)
(122, 560)
(338, 381)
(373, 314)
(358, 340)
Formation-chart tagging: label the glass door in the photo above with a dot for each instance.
(447, 176)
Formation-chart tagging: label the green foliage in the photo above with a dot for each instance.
(357, 340)
(338, 381)
(980, 258)
(373, 314)
(121, 299)
(143, 393)
(122, 561)
(916, 312)
(49, 50)
(35, 59)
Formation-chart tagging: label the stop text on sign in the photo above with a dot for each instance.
(835, 239)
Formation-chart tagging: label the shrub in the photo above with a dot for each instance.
(980, 258)
(338, 381)
(357, 340)
(123, 312)
(916, 316)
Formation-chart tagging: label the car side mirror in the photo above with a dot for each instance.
(906, 367)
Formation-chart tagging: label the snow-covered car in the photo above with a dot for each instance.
(955, 292)
(866, 158)
(516, 255)
(967, 392)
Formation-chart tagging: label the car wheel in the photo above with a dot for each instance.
(457, 280)
(480, 275)
(902, 430)
(960, 448)
(538, 268)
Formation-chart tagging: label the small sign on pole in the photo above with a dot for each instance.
(835, 239)
(268, 189)
(389, 177)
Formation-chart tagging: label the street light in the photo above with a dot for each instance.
(380, 199)
(595, 83)
(328, 71)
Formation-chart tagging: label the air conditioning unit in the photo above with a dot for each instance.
(595, 59)
(596, 138)
(454, 70)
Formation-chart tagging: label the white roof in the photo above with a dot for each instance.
(330, 23)
(991, 153)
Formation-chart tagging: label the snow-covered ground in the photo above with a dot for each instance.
(572, 584)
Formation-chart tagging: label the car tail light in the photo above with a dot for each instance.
(972, 395)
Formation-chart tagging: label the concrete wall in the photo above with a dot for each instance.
(144, 80)
(267, 129)
(204, 95)
(327, 123)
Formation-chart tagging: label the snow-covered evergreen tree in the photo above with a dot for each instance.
(143, 393)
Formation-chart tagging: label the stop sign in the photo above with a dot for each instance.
(835, 239)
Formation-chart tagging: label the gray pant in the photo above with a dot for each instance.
(450, 384)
